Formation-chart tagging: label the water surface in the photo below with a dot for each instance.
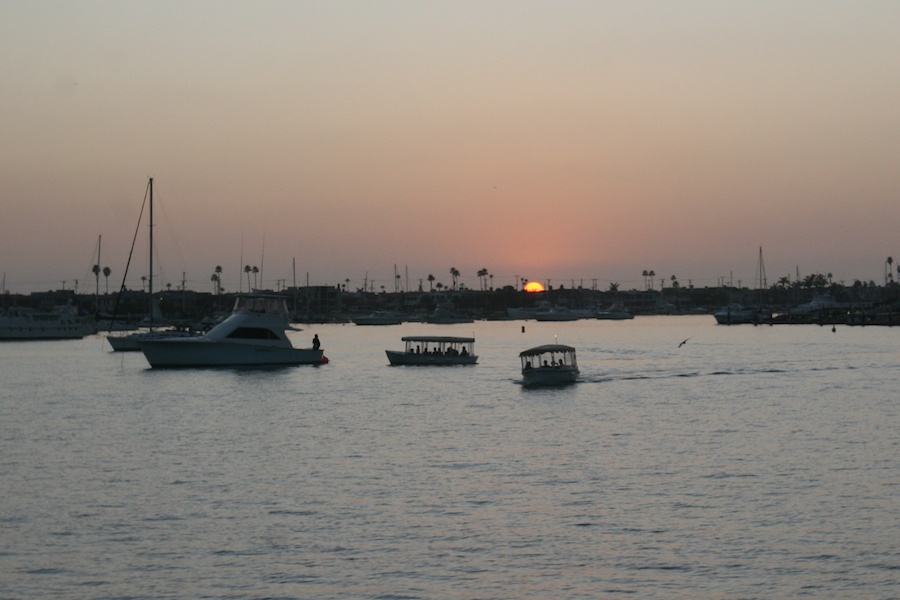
(752, 462)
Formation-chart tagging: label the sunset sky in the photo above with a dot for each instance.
(559, 140)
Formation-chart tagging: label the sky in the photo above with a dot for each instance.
(559, 141)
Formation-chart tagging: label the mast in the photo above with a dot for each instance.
(97, 276)
(150, 287)
(762, 272)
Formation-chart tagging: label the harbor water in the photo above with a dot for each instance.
(749, 462)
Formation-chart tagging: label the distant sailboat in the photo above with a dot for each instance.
(738, 314)
(129, 343)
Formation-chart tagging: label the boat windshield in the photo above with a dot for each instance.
(261, 304)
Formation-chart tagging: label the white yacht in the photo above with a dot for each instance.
(21, 323)
(616, 312)
(378, 318)
(738, 314)
(445, 314)
(254, 335)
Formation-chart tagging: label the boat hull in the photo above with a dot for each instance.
(198, 353)
(378, 319)
(409, 359)
(132, 342)
(556, 316)
(613, 316)
(550, 375)
(742, 316)
(63, 332)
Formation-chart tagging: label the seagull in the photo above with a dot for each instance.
(683, 343)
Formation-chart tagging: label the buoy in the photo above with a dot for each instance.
(324, 360)
(523, 329)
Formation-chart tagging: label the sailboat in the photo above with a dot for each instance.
(737, 314)
(129, 342)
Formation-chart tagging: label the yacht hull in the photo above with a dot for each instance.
(200, 353)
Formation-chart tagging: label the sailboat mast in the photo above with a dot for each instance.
(150, 278)
(97, 276)
(761, 268)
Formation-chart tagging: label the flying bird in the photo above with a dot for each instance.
(683, 343)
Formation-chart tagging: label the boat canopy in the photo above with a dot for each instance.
(538, 350)
(438, 339)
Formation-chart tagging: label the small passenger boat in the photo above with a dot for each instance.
(551, 364)
(431, 350)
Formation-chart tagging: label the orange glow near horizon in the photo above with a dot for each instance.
(534, 286)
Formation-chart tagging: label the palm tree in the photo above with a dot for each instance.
(613, 286)
(255, 273)
(482, 277)
(644, 274)
(430, 282)
(106, 273)
(455, 275)
(650, 276)
(247, 271)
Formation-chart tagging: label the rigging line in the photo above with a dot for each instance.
(171, 234)
(137, 230)
(89, 274)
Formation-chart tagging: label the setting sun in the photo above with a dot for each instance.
(534, 286)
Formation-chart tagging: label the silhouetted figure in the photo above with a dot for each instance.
(316, 342)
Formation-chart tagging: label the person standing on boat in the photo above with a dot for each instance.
(316, 342)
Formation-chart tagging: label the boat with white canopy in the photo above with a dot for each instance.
(434, 350)
(551, 364)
